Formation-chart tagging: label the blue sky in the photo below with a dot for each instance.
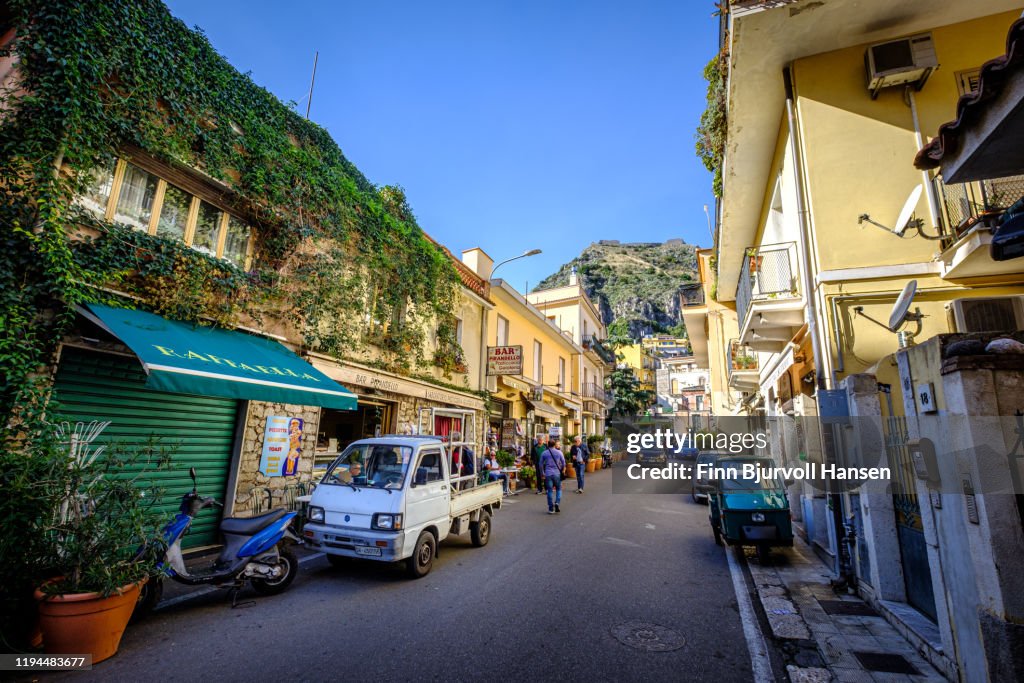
(511, 125)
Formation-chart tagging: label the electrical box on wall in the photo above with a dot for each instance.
(907, 61)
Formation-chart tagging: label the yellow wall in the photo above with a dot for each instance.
(721, 328)
(859, 151)
(526, 325)
(642, 362)
(472, 311)
(858, 156)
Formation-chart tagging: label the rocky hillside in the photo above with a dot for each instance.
(637, 283)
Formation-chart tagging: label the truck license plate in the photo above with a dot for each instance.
(362, 550)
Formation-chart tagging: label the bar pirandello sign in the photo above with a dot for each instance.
(504, 360)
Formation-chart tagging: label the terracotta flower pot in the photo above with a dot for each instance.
(591, 465)
(86, 622)
(569, 470)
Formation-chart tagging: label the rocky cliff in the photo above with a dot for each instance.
(638, 283)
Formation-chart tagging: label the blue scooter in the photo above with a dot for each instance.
(255, 549)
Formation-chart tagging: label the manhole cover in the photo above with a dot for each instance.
(850, 608)
(648, 637)
(886, 662)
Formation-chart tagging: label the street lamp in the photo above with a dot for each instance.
(532, 252)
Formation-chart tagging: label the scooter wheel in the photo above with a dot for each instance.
(149, 597)
(290, 564)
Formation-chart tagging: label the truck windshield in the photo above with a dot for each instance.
(371, 465)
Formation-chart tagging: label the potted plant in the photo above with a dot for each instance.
(528, 474)
(101, 514)
(505, 458)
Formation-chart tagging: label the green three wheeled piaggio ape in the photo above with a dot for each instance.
(746, 509)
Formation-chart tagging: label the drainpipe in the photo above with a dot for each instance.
(841, 568)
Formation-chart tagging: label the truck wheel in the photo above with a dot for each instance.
(422, 559)
(290, 564)
(480, 532)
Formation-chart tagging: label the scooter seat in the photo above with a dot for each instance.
(250, 525)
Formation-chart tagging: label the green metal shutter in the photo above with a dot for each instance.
(198, 431)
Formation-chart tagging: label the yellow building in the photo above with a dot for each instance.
(644, 364)
(829, 275)
(571, 310)
(663, 345)
(545, 397)
(811, 153)
(711, 327)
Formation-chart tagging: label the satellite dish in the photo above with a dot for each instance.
(901, 309)
(908, 210)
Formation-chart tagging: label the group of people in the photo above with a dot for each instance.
(549, 461)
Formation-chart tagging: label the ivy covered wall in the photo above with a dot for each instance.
(95, 79)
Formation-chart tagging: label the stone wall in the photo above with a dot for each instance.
(249, 476)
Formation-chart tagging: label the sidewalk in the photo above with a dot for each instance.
(829, 636)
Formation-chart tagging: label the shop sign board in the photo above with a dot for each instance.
(555, 432)
(510, 429)
(282, 446)
(504, 360)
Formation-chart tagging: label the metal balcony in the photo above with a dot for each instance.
(768, 300)
(595, 391)
(970, 212)
(598, 347)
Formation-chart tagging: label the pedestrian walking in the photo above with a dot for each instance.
(552, 463)
(579, 454)
(538, 450)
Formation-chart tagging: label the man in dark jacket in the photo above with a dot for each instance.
(579, 454)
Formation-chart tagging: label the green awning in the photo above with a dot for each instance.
(209, 361)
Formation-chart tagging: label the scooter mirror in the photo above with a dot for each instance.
(192, 474)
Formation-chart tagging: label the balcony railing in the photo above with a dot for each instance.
(598, 346)
(692, 297)
(741, 358)
(595, 391)
(768, 272)
(964, 203)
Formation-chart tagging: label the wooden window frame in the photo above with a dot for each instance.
(117, 182)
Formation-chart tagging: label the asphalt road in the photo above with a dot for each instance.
(542, 601)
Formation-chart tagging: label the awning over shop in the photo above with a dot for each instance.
(183, 358)
(542, 409)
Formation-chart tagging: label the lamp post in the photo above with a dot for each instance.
(531, 252)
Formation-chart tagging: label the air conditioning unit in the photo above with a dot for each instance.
(997, 314)
(900, 62)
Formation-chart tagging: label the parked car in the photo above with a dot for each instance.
(392, 498)
(701, 480)
(745, 510)
(684, 454)
(652, 456)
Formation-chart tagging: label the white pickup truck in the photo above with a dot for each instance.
(394, 498)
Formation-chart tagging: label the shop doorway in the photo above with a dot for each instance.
(917, 575)
(339, 428)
